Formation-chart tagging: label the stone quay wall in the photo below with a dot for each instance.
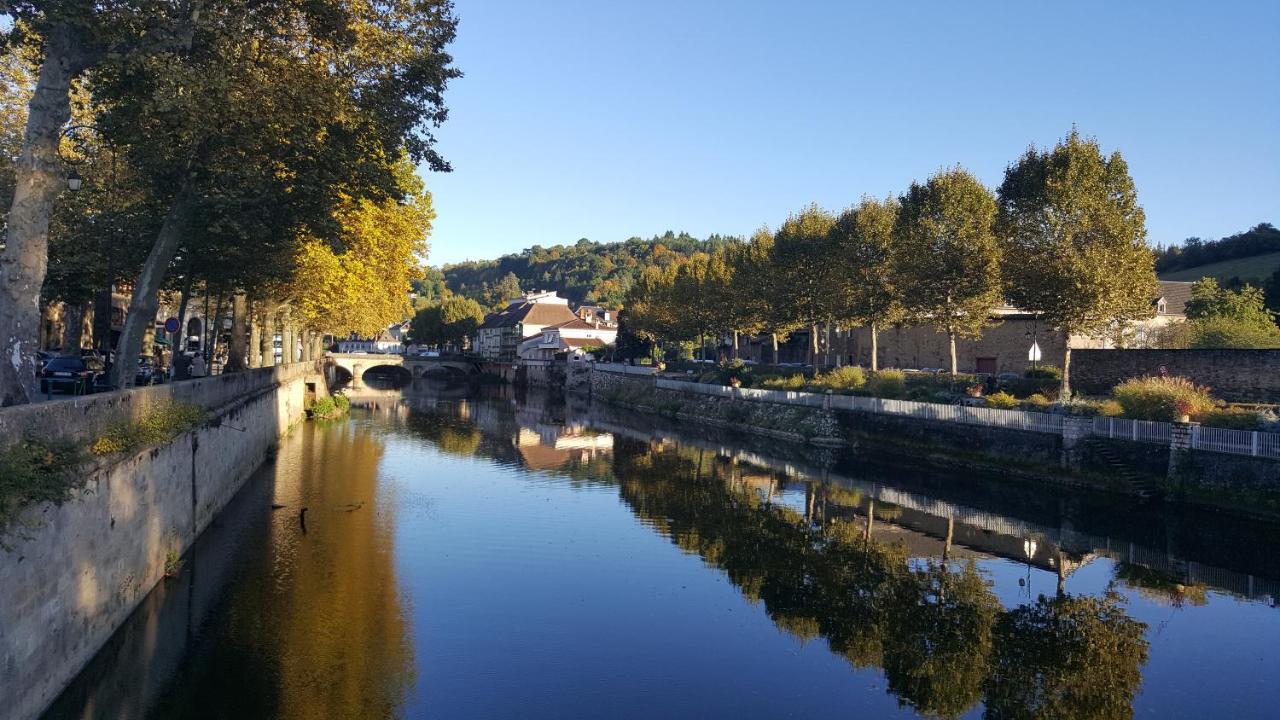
(1073, 456)
(1251, 376)
(71, 574)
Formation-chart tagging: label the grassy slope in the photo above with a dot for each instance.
(1254, 269)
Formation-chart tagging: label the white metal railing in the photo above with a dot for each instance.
(1135, 430)
(1211, 439)
(624, 369)
(1236, 442)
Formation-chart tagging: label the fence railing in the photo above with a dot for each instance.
(1134, 430)
(1236, 442)
(1210, 439)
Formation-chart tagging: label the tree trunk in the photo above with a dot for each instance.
(826, 352)
(254, 350)
(215, 334)
(875, 348)
(735, 344)
(72, 328)
(813, 344)
(38, 179)
(306, 345)
(145, 301)
(267, 343)
(239, 334)
(951, 341)
(1065, 393)
(181, 368)
(774, 338)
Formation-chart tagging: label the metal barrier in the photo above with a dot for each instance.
(1236, 442)
(1135, 430)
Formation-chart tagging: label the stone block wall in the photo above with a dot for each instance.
(1233, 375)
(71, 574)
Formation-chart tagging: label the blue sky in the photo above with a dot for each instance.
(608, 119)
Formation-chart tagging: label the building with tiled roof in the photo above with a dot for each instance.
(502, 332)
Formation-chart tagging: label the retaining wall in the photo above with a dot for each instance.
(71, 574)
(1243, 484)
(1234, 375)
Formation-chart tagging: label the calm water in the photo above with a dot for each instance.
(504, 558)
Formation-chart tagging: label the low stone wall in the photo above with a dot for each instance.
(1233, 375)
(1018, 446)
(1246, 485)
(71, 574)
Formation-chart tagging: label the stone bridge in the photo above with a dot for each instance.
(350, 368)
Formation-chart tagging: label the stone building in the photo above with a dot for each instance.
(502, 332)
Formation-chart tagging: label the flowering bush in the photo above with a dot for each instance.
(1162, 398)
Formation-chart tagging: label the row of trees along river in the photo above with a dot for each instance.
(258, 152)
(1063, 236)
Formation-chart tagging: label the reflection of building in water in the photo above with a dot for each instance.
(547, 447)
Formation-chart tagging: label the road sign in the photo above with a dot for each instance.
(172, 325)
(1034, 353)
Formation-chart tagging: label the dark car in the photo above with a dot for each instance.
(147, 374)
(72, 374)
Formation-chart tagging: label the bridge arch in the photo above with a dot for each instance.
(392, 375)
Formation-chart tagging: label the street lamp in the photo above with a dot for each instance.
(73, 180)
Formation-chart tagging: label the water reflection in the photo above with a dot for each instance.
(265, 619)
(443, 572)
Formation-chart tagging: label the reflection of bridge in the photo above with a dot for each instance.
(350, 368)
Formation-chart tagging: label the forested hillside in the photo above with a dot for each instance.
(590, 272)
(1261, 239)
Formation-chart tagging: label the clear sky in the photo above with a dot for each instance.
(606, 120)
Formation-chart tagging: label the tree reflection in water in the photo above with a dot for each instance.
(935, 629)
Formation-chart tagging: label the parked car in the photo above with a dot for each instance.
(147, 374)
(73, 374)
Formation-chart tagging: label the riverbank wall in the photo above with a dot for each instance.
(1034, 447)
(71, 573)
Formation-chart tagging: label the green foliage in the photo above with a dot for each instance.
(803, 274)
(332, 406)
(1209, 300)
(1001, 400)
(1162, 398)
(1233, 418)
(784, 382)
(868, 291)
(1108, 408)
(157, 427)
(1074, 240)
(1223, 332)
(1043, 372)
(590, 272)
(1194, 252)
(1038, 400)
(948, 259)
(1066, 657)
(841, 379)
(889, 384)
(35, 471)
(451, 320)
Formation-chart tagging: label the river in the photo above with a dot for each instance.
(469, 554)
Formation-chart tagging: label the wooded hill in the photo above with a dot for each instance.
(1252, 256)
(585, 272)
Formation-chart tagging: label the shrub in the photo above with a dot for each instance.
(1038, 400)
(343, 402)
(155, 428)
(1043, 372)
(784, 382)
(1162, 398)
(849, 377)
(927, 394)
(1109, 408)
(887, 384)
(1233, 418)
(1001, 400)
(34, 471)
